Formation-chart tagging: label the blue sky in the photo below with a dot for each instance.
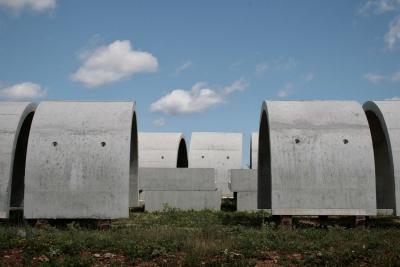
(199, 65)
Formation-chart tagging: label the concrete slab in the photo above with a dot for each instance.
(243, 180)
(15, 119)
(82, 161)
(384, 121)
(179, 179)
(221, 151)
(315, 158)
(244, 183)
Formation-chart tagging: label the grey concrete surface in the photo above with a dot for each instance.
(254, 151)
(82, 161)
(181, 188)
(221, 151)
(12, 118)
(244, 183)
(384, 120)
(162, 150)
(178, 179)
(315, 158)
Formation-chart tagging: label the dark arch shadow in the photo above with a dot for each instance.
(384, 173)
(133, 164)
(182, 161)
(264, 164)
(18, 172)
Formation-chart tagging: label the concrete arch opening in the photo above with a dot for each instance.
(384, 170)
(18, 171)
(264, 164)
(182, 161)
(133, 165)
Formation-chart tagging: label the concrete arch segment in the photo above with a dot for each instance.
(162, 150)
(384, 120)
(315, 158)
(221, 151)
(82, 161)
(15, 121)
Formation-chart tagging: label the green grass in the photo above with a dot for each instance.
(204, 238)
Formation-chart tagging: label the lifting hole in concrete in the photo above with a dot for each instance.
(202, 157)
(345, 141)
(18, 174)
(227, 157)
(297, 141)
(54, 144)
(103, 144)
(162, 157)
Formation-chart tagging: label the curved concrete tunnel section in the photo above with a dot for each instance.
(15, 122)
(82, 161)
(384, 121)
(315, 158)
(162, 150)
(221, 151)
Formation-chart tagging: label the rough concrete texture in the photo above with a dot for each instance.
(244, 183)
(384, 120)
(162, 150)
(315, 158)
(221, 151)
(254, 151)
(181, 188)
(178, 179)
(82, 161)
(12, 118)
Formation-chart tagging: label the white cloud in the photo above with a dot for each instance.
(393, 35)
(309, 77)
(200, 98)
(186, 65)
(261, 68)
(34, 5)
(374, 78)
(237, 86)
(378, 6)
(20, 91)
(160, 122)
(286, 90)
(112, 63)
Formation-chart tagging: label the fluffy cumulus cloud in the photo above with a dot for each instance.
(22, 91)
(200, 98)
(393, 35)
(34, 5)
(112, 63)
(374, 78)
